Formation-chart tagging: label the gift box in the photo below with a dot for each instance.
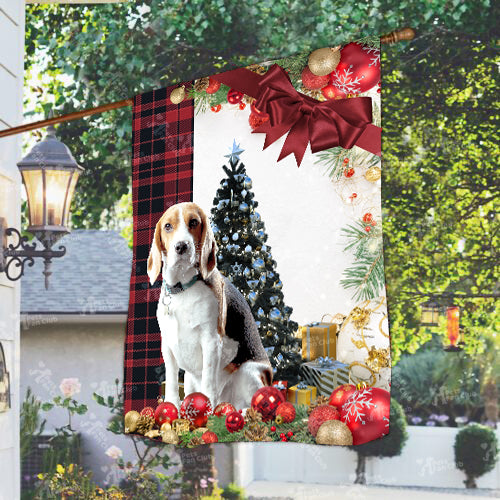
(319, 339)
(326, 374)
(301, 394)
(282, 386)
(181, 390)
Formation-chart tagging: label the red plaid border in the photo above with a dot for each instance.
(162, 175)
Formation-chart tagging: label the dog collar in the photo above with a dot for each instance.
(180, 287)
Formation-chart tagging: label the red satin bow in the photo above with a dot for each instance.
(323, 124)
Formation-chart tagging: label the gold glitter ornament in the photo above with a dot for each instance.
(378, 358)
(279, 419)
(170, 437)
(323, 61)
(181, 425)
(177, 95)
(154, 433)
(373, 174)
(131, 419)
(165, 427)
(334, 432)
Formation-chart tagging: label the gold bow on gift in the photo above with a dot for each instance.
(378, 358)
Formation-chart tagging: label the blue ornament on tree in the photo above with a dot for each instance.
(263, 279)
(252, 297)
(244, 207)
(258, 264)
(275, 313)
(260, 312)
(246, 272)
(227, 220)
(247, 182)
(215, 229)
(252, 283)
(235, 236)
(225, 239)
(279, 285)
(244, 193)
(248, 248)
(274, 300)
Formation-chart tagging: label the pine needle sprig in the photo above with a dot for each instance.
(359, 239)
(370, 41)
(294, 65)
(333, 160)
(366, 276)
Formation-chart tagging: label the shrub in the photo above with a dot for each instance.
(476, 452)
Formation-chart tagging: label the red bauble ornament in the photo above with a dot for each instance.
(340, 395)
(165, 412)
(209, 437)
(148, 412)
(358, 69)
(332, 92)
(349, 172)
(234, 96)
(366, 413)
(287, 412)
(216, 108)
(312, 81)
(257, 117)
(319, 415)
(196, 407)
(213, 86)
(266, 401)
(222, 409)
(273, 428)
(234, 421)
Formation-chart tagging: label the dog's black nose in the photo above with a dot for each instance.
(181, 247)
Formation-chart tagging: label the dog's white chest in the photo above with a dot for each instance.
(190, 325)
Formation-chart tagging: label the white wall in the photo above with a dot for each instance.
(11, 88)
(427, 460)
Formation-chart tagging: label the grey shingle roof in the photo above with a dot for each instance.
(92, 278)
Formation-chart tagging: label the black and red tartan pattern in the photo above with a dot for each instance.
(162, 175)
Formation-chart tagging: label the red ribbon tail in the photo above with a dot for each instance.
(297, 140)
(371, 139)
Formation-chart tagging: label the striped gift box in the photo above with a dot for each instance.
(326, 374)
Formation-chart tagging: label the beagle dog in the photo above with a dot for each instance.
(206, 325)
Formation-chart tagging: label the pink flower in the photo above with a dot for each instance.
(70, 387)
(203, 483)
(114, 452)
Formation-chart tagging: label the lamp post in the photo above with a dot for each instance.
(429, 313)
(50, 173)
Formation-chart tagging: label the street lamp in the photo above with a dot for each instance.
(50, 173)
(429, 314)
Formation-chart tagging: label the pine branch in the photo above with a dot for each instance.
(370, 41)
(366, 276)
(294, 65)
(204, 101)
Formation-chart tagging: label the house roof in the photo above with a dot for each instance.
(92, 278)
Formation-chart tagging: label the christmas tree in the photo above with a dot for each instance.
(246, 260)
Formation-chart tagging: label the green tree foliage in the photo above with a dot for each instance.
(438, 110)
(476, 452)
(245, 258)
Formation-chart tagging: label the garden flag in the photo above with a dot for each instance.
(257, 298)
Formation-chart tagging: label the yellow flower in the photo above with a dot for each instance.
(70, 468)
(60, 469)
(40, 476)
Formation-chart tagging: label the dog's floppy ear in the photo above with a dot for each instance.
(155, 254)
(208, 248)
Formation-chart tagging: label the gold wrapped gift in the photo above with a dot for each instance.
(319, 340)
(301, 394)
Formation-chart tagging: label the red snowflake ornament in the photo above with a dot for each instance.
(148, 411)
(196, 408)
(358, 69)
(340, 395)
(366, 413)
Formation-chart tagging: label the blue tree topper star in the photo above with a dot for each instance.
(234, 155)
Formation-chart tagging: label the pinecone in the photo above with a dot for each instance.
(257, 68)
(201, 84)
(144, 424)
(320, 400)
(252, 416)
(196, 440)
(256, 432)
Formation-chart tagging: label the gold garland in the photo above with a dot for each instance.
(378, 358)
(373, 378)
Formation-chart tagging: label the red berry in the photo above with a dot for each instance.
(368, 229)
(282, 435)
(346, 160)
(241, 411)
(216, 108)
(273, 428)
(284, 439)
(242, 105)
(368, 217)
(374, 223)
(213, 86)
(289, 434)
(349, 172)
